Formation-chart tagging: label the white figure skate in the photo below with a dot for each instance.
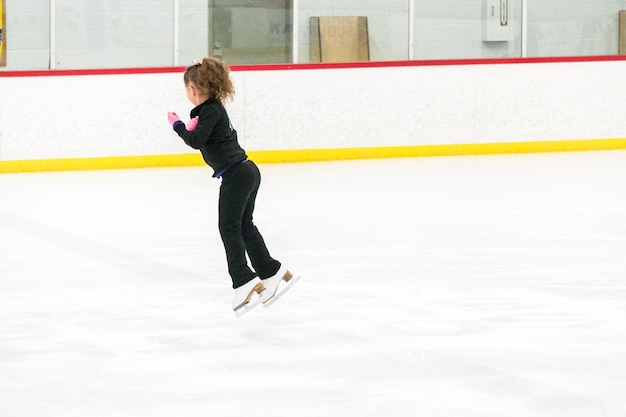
(272, 284)
(248, 296)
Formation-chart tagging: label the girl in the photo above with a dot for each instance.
(208, 86)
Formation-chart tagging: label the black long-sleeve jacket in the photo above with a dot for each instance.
(214, 137)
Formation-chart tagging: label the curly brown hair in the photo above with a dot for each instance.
(212, 78)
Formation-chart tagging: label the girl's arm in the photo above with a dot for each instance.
(197, 136)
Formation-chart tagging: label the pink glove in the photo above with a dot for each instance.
(191, 125)
(172, 117)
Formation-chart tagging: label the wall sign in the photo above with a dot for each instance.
(3, 35)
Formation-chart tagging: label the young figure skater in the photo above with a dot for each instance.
(208, 86)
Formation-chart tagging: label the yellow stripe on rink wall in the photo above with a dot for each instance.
(109, 162)
(312, 155)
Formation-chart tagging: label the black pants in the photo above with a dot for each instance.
(238, 192)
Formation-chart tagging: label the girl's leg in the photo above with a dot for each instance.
(262, 262)
(233, 200)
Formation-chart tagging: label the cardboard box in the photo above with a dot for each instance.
(339, 39)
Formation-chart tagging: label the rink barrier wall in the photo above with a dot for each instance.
(115, 118)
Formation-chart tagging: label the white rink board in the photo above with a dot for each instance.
(124, 115)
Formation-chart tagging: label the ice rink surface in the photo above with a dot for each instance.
(462, 286)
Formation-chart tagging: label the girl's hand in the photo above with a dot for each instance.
(172, 117)
(191, 125)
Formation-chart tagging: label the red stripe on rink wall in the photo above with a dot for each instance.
(308, 66)
(427, 63)
(97, 71)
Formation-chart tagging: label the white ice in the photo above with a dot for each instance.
(463, 286)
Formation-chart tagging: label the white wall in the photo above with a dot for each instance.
(104, 34)
(140, 33)
(116, 115)
(27, 34)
